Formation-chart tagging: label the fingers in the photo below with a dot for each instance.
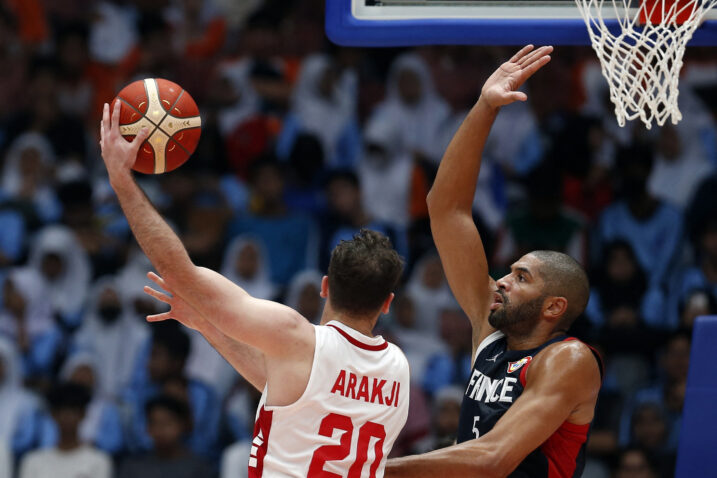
(105, 120)
(114, 125)
(158, 317)
(534, 56)
(139, 139)
(157, 295)
(528, 71)
(158, 280)
(102, 135)
(518, 96)
(523, 51)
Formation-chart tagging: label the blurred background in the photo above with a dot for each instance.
(303, 144)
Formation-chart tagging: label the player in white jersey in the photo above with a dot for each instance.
(334, 396)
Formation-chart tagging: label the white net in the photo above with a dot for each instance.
(640, 44)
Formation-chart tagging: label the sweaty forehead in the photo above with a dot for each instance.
(528, 262)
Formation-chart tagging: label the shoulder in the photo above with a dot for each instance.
(569, 364)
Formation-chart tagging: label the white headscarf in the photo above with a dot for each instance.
(420, 124)
(296, 287)
(325, 118)
(90, 425)
(67, 292)
(11, 177)
(113, 347)
(38, 314)
(260, 285)
(14, 399)
(428, 302)
(386, 179)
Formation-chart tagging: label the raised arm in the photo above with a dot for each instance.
(276, 330)
(450, 200)
(245, 359)
(562, 385)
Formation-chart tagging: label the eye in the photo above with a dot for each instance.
(521, 278)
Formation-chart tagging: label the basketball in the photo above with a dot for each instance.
(170, 114)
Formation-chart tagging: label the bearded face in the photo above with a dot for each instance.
(516, 318)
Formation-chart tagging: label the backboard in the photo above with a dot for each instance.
(467, 22)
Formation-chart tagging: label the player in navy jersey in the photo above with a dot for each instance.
(531, 396)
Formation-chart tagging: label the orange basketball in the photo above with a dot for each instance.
(173, 120)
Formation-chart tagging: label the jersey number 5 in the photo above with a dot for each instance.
(368, 430)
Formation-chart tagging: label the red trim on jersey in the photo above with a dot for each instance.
(358, 343)
(260, 443)
(562, 449)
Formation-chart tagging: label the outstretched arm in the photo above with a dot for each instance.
(273, 328)
(245, 359)
(451, 197)
(562, 385)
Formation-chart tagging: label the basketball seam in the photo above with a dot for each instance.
(140, 113)
(168, 114)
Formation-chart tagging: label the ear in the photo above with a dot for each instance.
(387, 303)
(324, 287)
(554, 308)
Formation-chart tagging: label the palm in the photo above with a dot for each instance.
(179, 310)
(502, 86)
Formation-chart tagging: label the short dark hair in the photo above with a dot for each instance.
(564, 277)
(363, 272)
(171, 337)
(68, 395)
(176, 407)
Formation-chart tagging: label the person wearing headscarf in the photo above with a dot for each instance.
(428, 289)
(102, 423)
(386, 173)
(246, 263)
(65, 267)
(324, 105)
(26, 319)
(27, 176)
(19, 409)
(413, 104)
(111, 335)
(303, 295)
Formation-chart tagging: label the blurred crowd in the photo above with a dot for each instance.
(303, 144)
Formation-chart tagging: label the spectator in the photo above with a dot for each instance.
(324, 105)
(168, 422)
(198, 28)
(65, 269)
(346, 216)
(247, 265)
(19, 408)
(445, 414)
(635, 463)
(6, 461)
(70, 458)
(101, 425)
(26, 319)
(111, 335)
(413, 104)
(697, 303)
(303, 295)
(653, 228)
(289, 237)
(27, 179)
(428, 289)
(619, 278)
(386, 174)
(168, 353)
(452, 367)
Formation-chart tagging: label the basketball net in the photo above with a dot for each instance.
(641, 56)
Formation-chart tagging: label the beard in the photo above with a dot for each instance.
(516, 319)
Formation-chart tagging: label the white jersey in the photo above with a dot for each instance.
(347, 419)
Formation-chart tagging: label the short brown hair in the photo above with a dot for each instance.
(363, 272)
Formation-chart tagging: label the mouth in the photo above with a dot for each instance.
(497, 301)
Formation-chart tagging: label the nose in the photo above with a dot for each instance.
(503, 283)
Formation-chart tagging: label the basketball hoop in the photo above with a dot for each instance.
(641, 54)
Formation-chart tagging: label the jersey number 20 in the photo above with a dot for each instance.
(368, 430)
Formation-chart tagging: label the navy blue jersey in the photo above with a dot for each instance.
(497, 380)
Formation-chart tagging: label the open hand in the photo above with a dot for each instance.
(119, 154)
(179, 310)
(502, 86)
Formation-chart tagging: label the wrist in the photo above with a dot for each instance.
(121, 179)
(485, 105)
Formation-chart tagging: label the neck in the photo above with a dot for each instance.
(643, 206)
(68, 442)
(363, 325)
(169, 452)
